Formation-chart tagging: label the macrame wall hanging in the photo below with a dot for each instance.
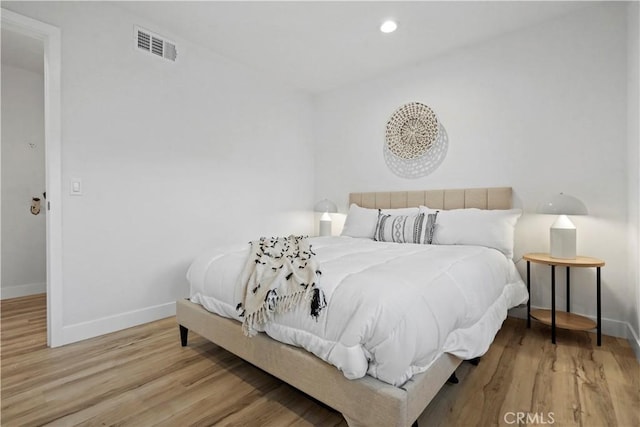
(415, 141)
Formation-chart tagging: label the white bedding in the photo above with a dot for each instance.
(391, 308)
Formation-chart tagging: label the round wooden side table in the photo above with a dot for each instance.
(564, 319)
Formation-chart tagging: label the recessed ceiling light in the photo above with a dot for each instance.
(388, 26)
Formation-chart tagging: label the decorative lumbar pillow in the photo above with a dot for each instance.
(400, 228)
(430, 227)
(361, 222)
(490, 228)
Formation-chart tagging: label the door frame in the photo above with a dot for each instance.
(51, 37)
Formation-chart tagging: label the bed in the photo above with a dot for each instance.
(394, 398)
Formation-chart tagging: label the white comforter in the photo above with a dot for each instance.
(391, 308)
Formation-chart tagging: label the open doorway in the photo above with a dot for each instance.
(23, 167)
(48, 37)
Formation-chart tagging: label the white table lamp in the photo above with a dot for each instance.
(562, 232)
(325, 206)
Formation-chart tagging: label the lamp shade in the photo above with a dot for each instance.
(325, 205)
(562, 204)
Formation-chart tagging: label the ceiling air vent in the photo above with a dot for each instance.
(154, 44)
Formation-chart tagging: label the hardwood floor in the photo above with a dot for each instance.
(142, 376)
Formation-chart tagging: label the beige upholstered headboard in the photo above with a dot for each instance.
(481, 198)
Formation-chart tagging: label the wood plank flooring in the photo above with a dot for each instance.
(142, 376)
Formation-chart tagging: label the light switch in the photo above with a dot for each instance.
(76, 187)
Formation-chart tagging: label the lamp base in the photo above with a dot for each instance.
(563, 239)
(325, 227)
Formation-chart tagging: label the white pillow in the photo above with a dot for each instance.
(361, 222)
(490, 228)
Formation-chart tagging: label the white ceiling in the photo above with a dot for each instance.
(317, 46)
(322, 45)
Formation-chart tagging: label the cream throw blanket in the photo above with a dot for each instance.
(280, 274)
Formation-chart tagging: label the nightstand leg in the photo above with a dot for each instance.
(598, 302)
(568, 291)
(529, 292)
(553, 304)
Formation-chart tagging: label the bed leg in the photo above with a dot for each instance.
(184, 333)
(453, 379)
(475, 361)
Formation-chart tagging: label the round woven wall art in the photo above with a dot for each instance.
(415, 141)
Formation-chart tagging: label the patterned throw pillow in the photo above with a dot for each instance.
(430, 227)
(401, 228)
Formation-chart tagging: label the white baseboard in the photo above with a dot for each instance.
(117, 322)
(22, 290)
(634, 341)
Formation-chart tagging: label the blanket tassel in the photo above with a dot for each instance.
(318, 302)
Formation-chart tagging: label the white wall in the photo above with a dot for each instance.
(177, 157)
(173, 157)
(23, 234)
(633, 116)
(542, 110)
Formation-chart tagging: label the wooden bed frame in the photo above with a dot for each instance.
(386, 405)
